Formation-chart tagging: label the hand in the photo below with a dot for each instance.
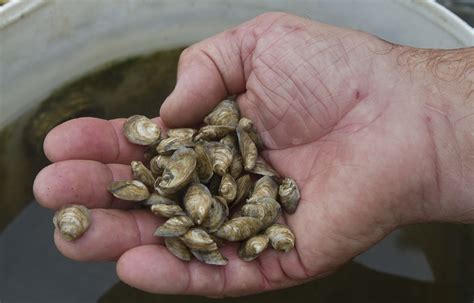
(360, 123)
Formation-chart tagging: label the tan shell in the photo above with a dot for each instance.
(203, 164)
(244, 185)
(237, 166)
(217, 214)
(158, 164)
(198, 202)
(169, 145)
(289, 195)
(141, 130)
(262, 168)
(72, 221)
(198, 239)
(213, 132)
(221, 157)
(164, 206)
(250, 249)
(174, 227)
(213, 257)
(225, 113)
(178, 172)
(281, 237)
(228, 188)
(187, 133)
(248, 149)
(231, 141)
(178, 249)
(130, 190)
(239, 229)
(141, 173)
(267, 210)
(245, 124)
(264, 187)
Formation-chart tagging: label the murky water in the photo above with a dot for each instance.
(139, 85)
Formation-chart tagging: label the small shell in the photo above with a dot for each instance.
(198, 202)
(141, 130)
(199, 240)
(72, 221)
(130, 190)
(174, 227)
(158, 164)
(231, 141)
(248, 149)
(244, 185)
(281, 237)
(217, 215)
(178, 249)
(267, 210)
(213, 257)
(228, 188)
(225, 113)
(203, 164)
(213, 132)
(178, 173)
(247, 125)
(237, 166)
(264, 187)
(142, 174)
(187, 133)
(169, 145)
(250, 249)
(221, 157)
(163, 206)
(289, 195)
(262, 168)
(239, 229)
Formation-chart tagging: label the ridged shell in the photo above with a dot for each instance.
(178, 249)
(141, 173)
(213, 132)
(225, 113)
(267, 210)
(244, 185)
(158, 164)
(130, 190)
(178, 172)
(289, 195)
(264, 187)
(213, 257)
(163, 206)
(253, 247)
(169, 145)
(239, 229)
(217, 214)
(281, 237)
(228, 188)
(198, 239)
(221, 157)
(174, 227)
(203, 164)
(72, 221)
(237, 166)
(141, 130)
(187, 133)
(231, 141)
(262, 168)
(248, 149)
(198, 202)
(247, 125)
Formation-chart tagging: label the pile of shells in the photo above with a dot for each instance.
(211, 185)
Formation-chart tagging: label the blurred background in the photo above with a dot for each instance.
(421, 263)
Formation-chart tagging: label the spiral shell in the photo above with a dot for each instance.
(262, 168)
(72, 221)
(213, 257)
(264, 187)
(174, 227)
(198, 239)
(197, 202)
(221, 157)
(225, 113)
(203, 164)
(141, 173)
(239, 229)
(169, 145)
(248, 149)
(228, 188)
(267, 210)
(178, 171)
(281, 237)
(131, 190)
(213, 132)
(289, 195)
(163, 206)
(253, 247)
(178, 249)
(141, 130)
(158, 164)
(217, 215)
(187, 133)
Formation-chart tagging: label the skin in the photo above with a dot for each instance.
(377, 136)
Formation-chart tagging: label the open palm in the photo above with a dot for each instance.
(334, 114)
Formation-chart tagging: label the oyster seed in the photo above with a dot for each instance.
(72, 221)
(141, 130)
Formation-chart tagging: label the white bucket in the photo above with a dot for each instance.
(46, 43)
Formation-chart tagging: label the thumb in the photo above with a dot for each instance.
(207, 72)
